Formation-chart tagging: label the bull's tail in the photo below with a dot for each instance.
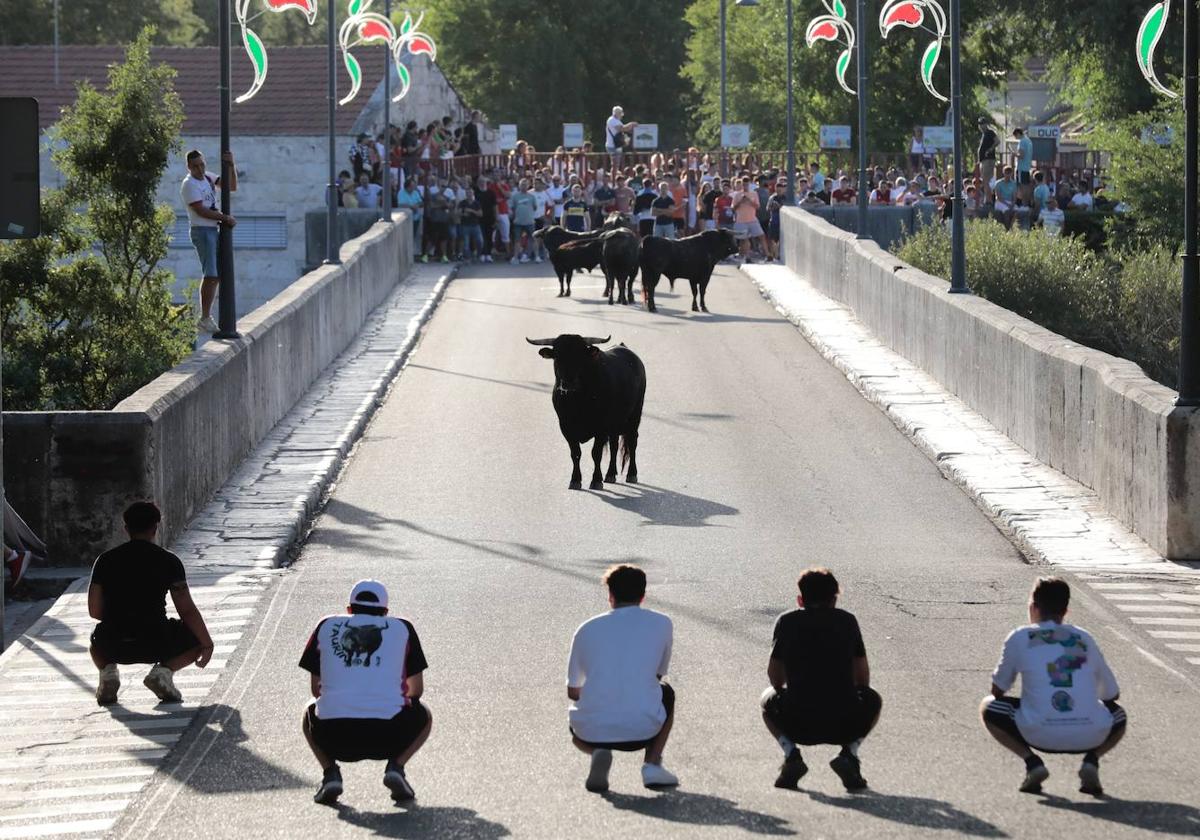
(624, 453)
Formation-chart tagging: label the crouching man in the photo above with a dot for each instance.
(614, 678)
(1068, 693)
(367, 677)
(127, 594)
(820, 683)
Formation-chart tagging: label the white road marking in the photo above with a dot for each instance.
(101, 807)
(53, 829)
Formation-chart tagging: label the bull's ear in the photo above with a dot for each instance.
(546, 352)
(595, 351)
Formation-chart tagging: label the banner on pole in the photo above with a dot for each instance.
(835, 137)
(507, 136)
(572, 135)
(735, 135)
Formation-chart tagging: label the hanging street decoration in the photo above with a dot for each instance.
(834, 27)
(1148, 36)
(366, 27)
(254, 45)
(911, 14)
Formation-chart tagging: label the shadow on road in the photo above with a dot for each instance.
(699, 809)
(912, 810)
(661, 506)
(236, 768)
(424, 822)
(1163, 817)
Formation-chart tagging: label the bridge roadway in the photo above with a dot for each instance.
(758, 460)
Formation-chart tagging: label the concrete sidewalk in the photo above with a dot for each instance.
(68, 767)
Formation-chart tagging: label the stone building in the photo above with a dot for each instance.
(279, 139)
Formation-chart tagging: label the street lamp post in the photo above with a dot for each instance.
(958, 247)
(860, 24)
(791, 131)
(722, 63)
(1189, 333)
(226, 292)
(387, 122)
(331, 199)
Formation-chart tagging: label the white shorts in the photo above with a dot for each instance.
(502, 228)
(747, 230)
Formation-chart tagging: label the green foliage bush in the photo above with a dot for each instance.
(1126, 304)
(86, 314)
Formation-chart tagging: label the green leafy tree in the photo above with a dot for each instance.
(1147, 176)
(757, 67)
(540, 63)
(86, 314)
(101, 21)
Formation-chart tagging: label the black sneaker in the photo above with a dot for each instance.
(1035, 774)
(791, 771)
(848, 769)
(1089, 778)
(331, 787)
(395, 781)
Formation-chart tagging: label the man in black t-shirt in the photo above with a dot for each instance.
(987, 157)
(820, 683)
(127, 595)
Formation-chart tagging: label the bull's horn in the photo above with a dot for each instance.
(536, 342)
(591, 340)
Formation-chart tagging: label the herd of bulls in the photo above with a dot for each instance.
(620, 255)
(598, 394)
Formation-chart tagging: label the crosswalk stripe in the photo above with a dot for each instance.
(1184, 648)
(67, 760)
(78, 776)
(73, 792)
(101, 807)
(1163, 607)
(1174, 634)
(52, 829)
(1153, 619)
(1121, 586)
(1133, 596)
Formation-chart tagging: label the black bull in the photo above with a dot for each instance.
(598, 396)
(692, 258)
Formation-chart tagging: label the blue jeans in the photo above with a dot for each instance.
(204, 238)
(472, 237)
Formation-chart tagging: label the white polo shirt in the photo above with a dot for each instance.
(199, 189)
(616, 660)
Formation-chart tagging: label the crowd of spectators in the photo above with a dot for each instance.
(492, 208)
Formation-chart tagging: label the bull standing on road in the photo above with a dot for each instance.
(598, 396)
(692, 258)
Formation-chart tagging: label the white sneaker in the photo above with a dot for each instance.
(537, 259)
(513, 261)
(597, 780)
(524, 258)
(655, 775)
(208, 324)
(162, 683)
(110, 682)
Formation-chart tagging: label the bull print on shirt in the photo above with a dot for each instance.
(355, 644)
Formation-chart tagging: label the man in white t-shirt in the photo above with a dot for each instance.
(541, 216)
(199, 194)
(615, 139)
(1052, 218)
(1068, 693)
(367, 675)
(614, 679)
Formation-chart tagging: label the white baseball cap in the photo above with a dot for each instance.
(369, 593)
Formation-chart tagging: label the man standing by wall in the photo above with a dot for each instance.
(1024, 166)
(987, 158)
(615, 139)
(199, 194)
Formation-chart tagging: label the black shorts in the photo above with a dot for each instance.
(437, 231)
(153, 645)
(678, 223)
(1002, 714)
(645, 227)
(773, 232)
(668, 701)
(854, 724)
(1024, 178)
(367, 739)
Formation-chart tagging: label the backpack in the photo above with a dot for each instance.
(620, 140)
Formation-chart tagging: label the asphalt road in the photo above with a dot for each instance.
(757, 459)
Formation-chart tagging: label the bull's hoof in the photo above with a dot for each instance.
(576, 484)
(631, 478)
(560, 294)
(610, 303)
(596, 484)
(611, 478)
(703, 308)
(568, 293)
(652, 308)
(695, 308)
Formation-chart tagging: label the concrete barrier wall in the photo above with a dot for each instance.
(178, 439)
(1094, 417)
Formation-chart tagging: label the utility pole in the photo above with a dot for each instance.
(791, 131)
(860, 38)
(958, 245)
(387, 123)
(722, 63)
(332, 247)
(1189, 339)
(227, 291)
